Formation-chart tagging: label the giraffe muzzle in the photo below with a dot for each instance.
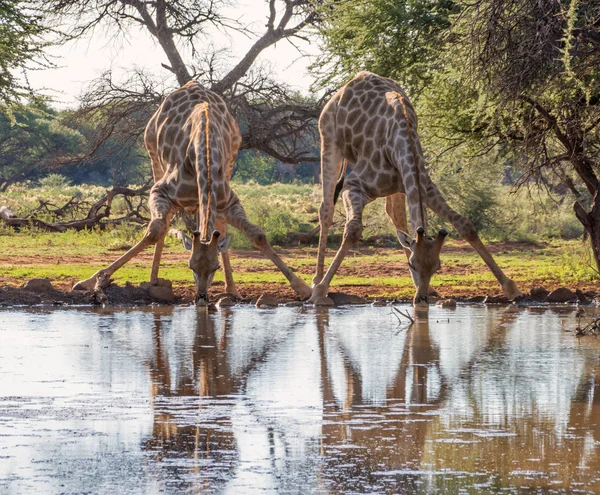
(202, 299)
(421, 299)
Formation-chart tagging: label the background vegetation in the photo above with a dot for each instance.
(507, 92)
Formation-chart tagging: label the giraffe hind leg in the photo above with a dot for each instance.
(160, 244)
(395, 207)
(331, 164)
(230, 287)
(468, 232)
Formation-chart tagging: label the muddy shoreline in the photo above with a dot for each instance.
(42, 292)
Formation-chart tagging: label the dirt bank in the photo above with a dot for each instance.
(380, 264)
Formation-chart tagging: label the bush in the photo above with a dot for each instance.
(54, 181)
(254, 166)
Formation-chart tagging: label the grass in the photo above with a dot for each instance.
(281, 208)
(74, 256)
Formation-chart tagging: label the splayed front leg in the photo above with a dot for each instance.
(156, 230)
(354, 203)
(90, 283)
(467, 231)
(236, 216)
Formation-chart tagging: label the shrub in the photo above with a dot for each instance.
(55, 181)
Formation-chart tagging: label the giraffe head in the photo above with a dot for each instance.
(424, 260)
(204, 261)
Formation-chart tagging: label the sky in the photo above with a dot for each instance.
(81, 61)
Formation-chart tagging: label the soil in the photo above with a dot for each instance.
(12, 293)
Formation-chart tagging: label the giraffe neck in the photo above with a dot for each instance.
(208, 217)
(420, 219)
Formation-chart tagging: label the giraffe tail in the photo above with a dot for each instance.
(339, 185)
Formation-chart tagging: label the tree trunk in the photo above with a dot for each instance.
(591, 223)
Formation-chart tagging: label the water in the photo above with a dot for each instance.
(294, 400)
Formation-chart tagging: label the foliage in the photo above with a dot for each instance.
(534, 68)
(20, 43)
(397, 39)
(33, 141)
(55, 181)
(254, 166)
(473, 191)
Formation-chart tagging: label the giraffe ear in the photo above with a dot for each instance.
(404, 238)
(224, 243)
(187, 241)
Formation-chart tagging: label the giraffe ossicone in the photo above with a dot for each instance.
(193, 141)
(370, 126)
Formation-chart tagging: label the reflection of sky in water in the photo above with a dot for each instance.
(76, 409)
(53, 367)
(373, 348)
(525, 370)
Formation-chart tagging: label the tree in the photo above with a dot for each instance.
(400, 39)
(34, 141)
(20, 43)
(531, 70)
(270, 116)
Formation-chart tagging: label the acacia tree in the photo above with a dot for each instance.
(20, 43)
(533, 73)
(271, 118)
(400, 39)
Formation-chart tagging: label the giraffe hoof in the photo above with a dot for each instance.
(511, 291)
(302, 288)
(88, 284)
(233, 294)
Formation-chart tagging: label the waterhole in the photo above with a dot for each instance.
(297, 400)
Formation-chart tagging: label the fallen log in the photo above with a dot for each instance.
(302, 237)
(97, 213)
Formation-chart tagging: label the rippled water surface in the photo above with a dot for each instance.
(296, 400)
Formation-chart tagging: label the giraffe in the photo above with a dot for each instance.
(370, 124)
(193, 141)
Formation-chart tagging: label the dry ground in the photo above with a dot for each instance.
(370, 272)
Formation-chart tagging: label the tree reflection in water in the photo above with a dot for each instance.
(337, 400)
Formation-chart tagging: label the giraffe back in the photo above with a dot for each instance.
(375, 127)
(175, 138)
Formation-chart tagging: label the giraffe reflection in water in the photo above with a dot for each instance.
(331, 402)
(178, 376)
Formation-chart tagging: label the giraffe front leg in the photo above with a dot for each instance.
(156, 230)
(236, 216)
(354, 202)
(230, 287)
(160, 210)
(468, 232)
